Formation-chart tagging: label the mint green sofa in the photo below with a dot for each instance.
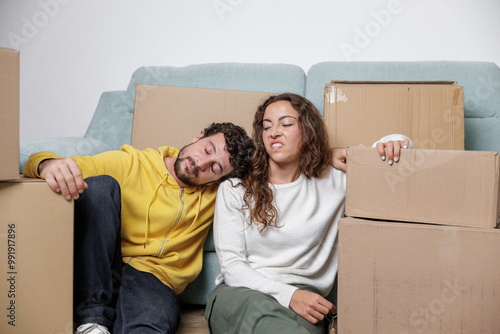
(112, 122)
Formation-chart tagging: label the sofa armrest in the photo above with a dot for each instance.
(64, 147)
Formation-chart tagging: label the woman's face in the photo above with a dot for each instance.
(281, 134)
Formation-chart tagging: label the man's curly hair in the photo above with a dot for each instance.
(239, 145)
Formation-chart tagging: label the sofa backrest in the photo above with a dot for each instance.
(481, 82)
(112, 121)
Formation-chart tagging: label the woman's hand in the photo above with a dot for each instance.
(310, 305)
(339, 156)
(390, 151)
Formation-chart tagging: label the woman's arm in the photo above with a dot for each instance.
(388, 148)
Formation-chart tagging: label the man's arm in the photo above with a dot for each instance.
(63, 176)
(66, 175)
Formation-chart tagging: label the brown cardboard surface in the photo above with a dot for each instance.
(428, 186)
(173, 116)
(414, 278)
(36, 259)
(9, 114)
(430, 113)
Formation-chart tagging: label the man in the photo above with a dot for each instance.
(163, 202)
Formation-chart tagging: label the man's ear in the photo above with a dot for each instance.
(201, 135)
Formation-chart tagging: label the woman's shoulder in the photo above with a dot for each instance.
(231, 191)
(232, 185)
(332, 172)
(332, 177)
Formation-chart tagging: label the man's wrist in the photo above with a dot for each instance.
(41, 166)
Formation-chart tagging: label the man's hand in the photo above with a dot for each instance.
(390, 151)
(63, 176)
(310, 306)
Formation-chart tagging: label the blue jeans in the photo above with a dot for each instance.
(107, 291)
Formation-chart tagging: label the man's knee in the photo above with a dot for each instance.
(104, 182)
(101, 202)
(102, 188)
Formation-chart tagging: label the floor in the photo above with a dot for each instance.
(193, 320)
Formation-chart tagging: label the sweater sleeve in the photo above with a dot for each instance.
(394, 137)
(31, 166)
(230, 228)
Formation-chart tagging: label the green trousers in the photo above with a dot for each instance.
(241, 310)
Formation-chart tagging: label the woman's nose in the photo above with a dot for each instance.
(275, 132)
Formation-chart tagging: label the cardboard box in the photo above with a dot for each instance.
(9, 114)
(428, 186)
(36, 259)
(430, 113)
(415, 278)
(173, 116)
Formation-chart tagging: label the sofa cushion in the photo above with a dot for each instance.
(481, 82)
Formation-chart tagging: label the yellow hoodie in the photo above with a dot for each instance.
(163, 226)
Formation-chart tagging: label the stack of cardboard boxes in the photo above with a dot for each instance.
(36, 232)
(418, 248)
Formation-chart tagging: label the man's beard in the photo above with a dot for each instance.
(181, 173)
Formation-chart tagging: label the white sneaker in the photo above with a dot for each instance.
(92, 329)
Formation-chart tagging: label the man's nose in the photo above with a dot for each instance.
(205, 163)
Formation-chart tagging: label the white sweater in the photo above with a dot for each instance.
(302, 251)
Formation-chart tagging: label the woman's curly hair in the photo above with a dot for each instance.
(315, 157)
(238, 144)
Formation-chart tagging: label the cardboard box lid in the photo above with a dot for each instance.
(417, 278)
(428, 186)
(23, 179)
(9, 113)
(173, 116)
(350, 82)
(431, 113)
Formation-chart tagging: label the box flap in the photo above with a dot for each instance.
(173, 116)
(348, 82)
(428, 186)
(432, 115)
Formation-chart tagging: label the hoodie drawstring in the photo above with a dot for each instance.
(199, 206)
(149, 207)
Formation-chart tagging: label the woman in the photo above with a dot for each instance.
(275, 230)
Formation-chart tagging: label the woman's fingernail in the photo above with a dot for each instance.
(405, 146)
(390, 162)
(383, 158)
(396, 159)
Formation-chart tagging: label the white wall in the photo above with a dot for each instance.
(72, 51)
